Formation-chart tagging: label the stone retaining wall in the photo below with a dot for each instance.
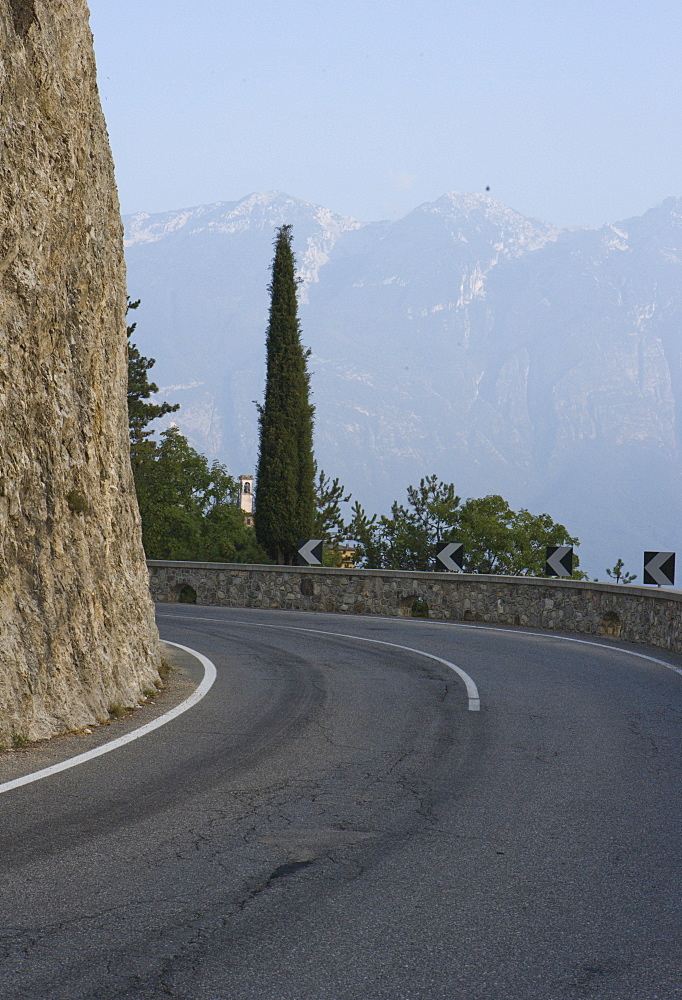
(637, 614)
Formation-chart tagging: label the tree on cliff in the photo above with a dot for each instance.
(140, 389)
(285, 493)
(189, 508)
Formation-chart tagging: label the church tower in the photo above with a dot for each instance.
(246, 499)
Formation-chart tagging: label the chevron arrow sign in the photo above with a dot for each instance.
(659, 567)
(559, 560)
(451, 555)
(309, 552)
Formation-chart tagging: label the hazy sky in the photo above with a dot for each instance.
(569, 110)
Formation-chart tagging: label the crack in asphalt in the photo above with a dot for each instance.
(281, 871)
(311, 792)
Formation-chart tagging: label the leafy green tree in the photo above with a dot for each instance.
(619, 574)
(498, 539)
(433, 507)
(402, 544)
(407, 539)
(190, 509)
(285, 493)
(140, 389)
(328, 522)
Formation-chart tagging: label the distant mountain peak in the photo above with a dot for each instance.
(258, 210)
(491, 230)
(672, 205)
(468, 201)
(507, 355)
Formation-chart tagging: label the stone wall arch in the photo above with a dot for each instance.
(610, 625)
(186, 594)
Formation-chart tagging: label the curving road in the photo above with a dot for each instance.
(334, 821)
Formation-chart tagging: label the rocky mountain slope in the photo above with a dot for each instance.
(77, 631)
(501, 353)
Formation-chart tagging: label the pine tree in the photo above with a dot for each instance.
(141, 413)
(285, 493)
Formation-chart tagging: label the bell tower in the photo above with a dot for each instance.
(246, 499)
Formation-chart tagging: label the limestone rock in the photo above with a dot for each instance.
(77, 632)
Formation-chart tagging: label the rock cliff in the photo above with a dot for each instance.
(77, 632)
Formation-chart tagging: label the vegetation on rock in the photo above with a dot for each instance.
(140, 411)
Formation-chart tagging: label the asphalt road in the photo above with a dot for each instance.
(332, 822)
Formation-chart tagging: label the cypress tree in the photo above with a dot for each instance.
(285, 493)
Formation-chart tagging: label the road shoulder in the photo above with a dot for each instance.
(185, 674)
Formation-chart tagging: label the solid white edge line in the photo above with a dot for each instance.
(472, 690)
(83, 758)
(567, 638)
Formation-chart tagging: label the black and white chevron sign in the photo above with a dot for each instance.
(451, 555)
(309, 552)
(659, 567)
(559, 560)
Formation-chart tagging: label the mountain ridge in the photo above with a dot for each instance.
(504, 353)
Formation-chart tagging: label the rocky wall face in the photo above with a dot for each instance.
(76, 623)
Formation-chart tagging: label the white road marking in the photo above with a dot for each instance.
(567, 638)
(421, 623)
(83, 758)
(540, 635)
(472, 690)
(210, 676)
